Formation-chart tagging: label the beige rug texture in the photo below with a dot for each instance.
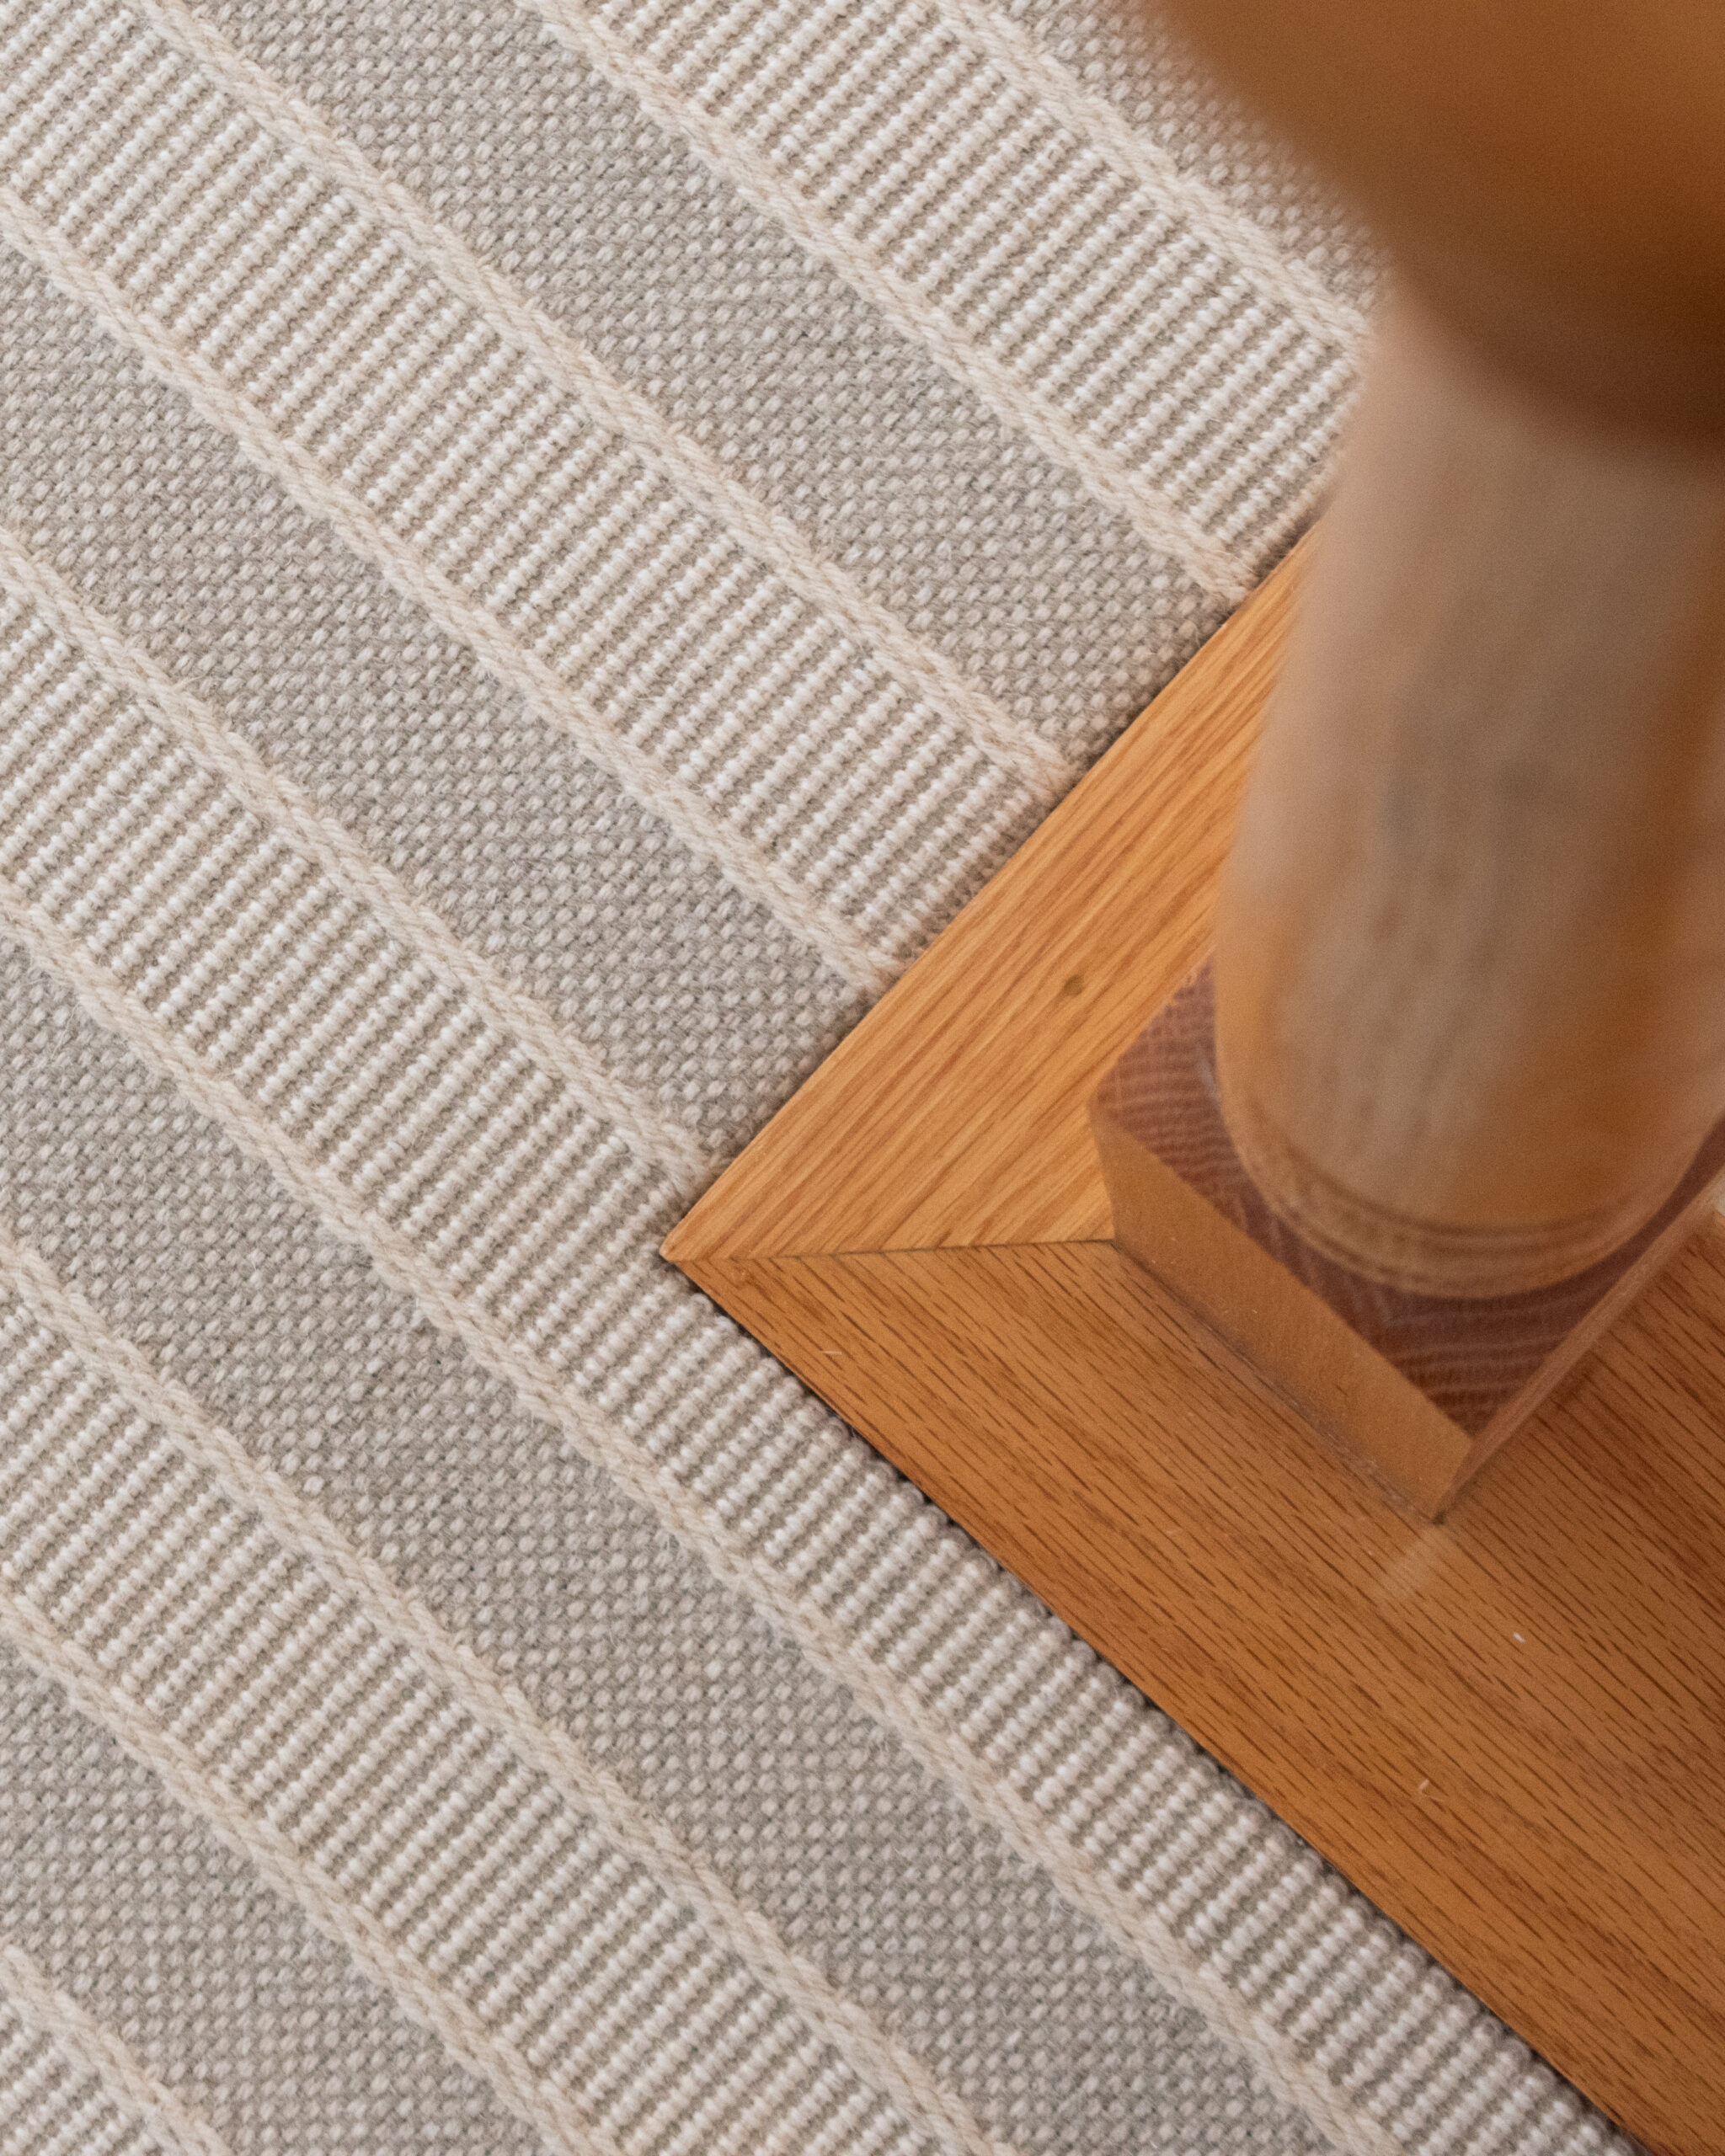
(545, 550)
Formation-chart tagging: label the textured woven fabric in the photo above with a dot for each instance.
(544, 551)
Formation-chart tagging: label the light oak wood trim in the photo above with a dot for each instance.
(1506, 1730)
(1566, 1854)
(1420, 1390)
(1054, 984)
(1284, 1326)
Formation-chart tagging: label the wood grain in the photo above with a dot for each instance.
(1420, 1390)
(1470, 1012)
(1024, 1003)
(1509, 1730)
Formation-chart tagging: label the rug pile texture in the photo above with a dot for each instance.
(545, 550)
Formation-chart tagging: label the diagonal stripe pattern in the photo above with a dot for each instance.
(1033, 72)
(67, 2084)
(503, 1889)
(388, 1076)
(55, 612)
(1106, 313)
(1112, 331)
(767, 1509)
(581, 1298)
(767, 533)
(622, 614)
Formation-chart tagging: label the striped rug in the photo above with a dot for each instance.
(545, 550)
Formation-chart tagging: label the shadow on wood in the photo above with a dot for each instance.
(1418, 1391)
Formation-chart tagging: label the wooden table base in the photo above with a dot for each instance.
(1507, 1729)
(1418, 1391)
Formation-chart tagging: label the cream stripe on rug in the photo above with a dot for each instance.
(1034, 73)
(771, 535)
(277, 803)
(520, 667)
(377, 1766)
(533, 1371)
(68, 2085)
(853, 131)
(403, 1132)
(518, 526)
(487, 489)
(366, 1176)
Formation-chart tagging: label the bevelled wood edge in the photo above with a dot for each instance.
(1507, 1730)
(1418, 1389)
(1504, 1729)
(879, 1149)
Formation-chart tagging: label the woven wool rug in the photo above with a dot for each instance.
(544, 551)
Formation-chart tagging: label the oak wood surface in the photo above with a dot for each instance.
(1030, 994)
(1509, 1729)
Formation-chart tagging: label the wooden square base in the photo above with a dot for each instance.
(1418, 1391)
(1507, 1729)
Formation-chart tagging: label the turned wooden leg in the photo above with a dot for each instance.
(1452, 1090)
(1471, 960)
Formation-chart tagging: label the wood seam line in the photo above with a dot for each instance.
(89, 2049)
(1217, 1350)
(499, 1706)
(545, 1392)
(1165, 729)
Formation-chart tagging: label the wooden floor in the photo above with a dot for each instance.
(1507, 1729)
